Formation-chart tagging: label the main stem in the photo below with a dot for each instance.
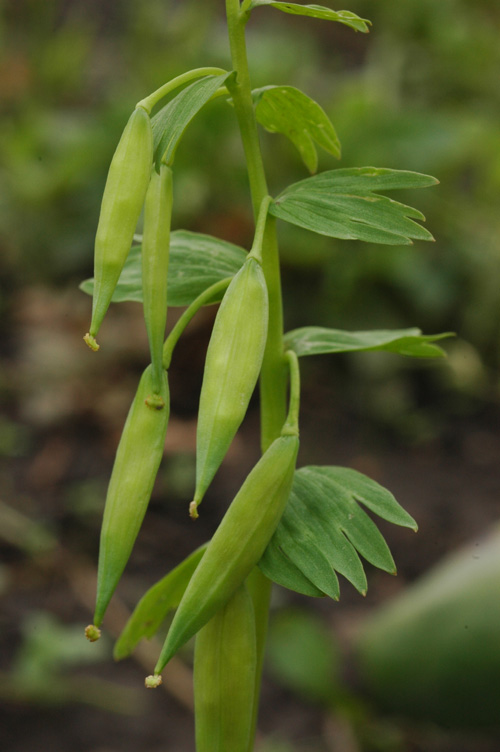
(273, 380)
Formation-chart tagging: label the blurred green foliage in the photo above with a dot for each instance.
(42, 671)
(303, 655)
(419, 92)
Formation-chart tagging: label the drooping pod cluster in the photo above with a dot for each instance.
(254, 514)
(224, 677)
(121, 206)
(131, 184)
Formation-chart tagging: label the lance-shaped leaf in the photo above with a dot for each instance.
(324, 529)
(155, 604)
(172, 120)
(284, 572)
(317, 340)
(317, 11)
(197, 261)
(287, 110)
(346, 204)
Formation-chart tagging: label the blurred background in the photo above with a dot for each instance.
(419, 92)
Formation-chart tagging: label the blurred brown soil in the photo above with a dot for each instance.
(63, 409)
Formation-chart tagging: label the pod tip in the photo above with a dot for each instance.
(91, 342)
(155, 402)
(92, 633)
(193, 510)
(152, 681)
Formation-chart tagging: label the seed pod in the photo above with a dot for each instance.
(136, 464)
(224, 677)
(155, 251)
(232, 367)
(238, 543)
(122, 202)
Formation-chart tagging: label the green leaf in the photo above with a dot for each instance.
(155, 604)
(317, 11)
(317, 340)
(287, 110)
(324, 529)
(343, 204)
(172, 120)
(285, 573)
(196, 262)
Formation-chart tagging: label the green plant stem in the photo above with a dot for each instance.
(205, 298)
(156, 96)
(274, 373)
(273, 380)
(259, 588)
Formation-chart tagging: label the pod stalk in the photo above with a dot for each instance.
(291, 426)
(205, 298)
(260, 226)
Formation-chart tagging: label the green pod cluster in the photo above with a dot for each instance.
(136, 464)
(121, 206)
(232, 367)
(155, 253)
(238, 543)
(225, 660)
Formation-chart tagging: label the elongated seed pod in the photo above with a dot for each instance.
(238, 543)
(232, 367)
(136, 464)
(155, 251)
(224, 677)
(122, 202)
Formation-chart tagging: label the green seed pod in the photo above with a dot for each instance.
(225, 659)
(136, 464)
(238, 543)
(155, 251)
(232, 367)
(122, 202)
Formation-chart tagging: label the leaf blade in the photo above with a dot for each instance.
(172, 120)
(370, 493)
(318, 11)
(325, 528)
(283, 572)
(317, 340)
(287, 110)
(155, 604)
(344, 204)
(197, 261)
(365, 180)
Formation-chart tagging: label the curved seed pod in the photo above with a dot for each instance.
(155, 250)
(238, 543)
(225, 660)
(122, 202)
(232, 367)
(137, 461)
